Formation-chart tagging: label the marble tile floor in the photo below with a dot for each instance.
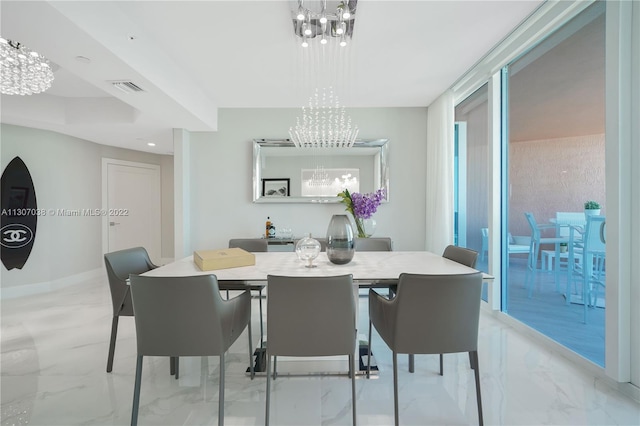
(54, 350)
(547, 312)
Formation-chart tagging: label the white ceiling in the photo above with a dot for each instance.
(193, 57)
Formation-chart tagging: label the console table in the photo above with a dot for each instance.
(281, 244)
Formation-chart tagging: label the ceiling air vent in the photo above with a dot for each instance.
(126, 86)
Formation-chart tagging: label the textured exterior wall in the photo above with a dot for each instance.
(547, 176)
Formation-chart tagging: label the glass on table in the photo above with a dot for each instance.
(307, 249)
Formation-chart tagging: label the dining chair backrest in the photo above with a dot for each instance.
(119, 265)
(535, 231)
(374, 244)
(310, 316)
(461, 255)
(436, 314)
(593, 232)
(254, 245)
(185, 316)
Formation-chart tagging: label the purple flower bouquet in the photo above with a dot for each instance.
(362, 206)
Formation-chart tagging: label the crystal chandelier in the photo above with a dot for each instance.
(324, 123)
(334, 23)
(23, 71)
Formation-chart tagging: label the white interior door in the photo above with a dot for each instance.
(132, 206)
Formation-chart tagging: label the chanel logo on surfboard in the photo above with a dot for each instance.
(15, 235)
(19, 218)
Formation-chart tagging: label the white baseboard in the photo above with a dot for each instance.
(49, 286)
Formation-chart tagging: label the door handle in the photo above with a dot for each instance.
(114, 223)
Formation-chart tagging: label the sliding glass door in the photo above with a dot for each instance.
(556, 163)
(471, 176)
(551, 129)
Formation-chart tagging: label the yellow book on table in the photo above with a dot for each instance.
(208, 260)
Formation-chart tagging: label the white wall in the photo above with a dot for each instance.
(221, 176)
(66, 172)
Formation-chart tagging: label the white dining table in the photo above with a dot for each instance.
(368, 269)
(365, 267)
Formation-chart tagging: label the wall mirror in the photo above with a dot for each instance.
(284, 173)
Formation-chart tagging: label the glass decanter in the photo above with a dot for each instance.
(307, 249)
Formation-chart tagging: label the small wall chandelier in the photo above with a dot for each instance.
(325, 24)
(324, 123)
(22, 71)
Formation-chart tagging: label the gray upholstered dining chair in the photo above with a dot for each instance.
(430, 314)
(186, 316)
(254, 245)
(374, 244)
(464, 256)
(249, 244)
(119, 265)
(310, 316)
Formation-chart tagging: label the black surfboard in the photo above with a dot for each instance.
(19, 214)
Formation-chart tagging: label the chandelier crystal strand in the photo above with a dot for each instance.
(324, 124)
(319, 177)
(23, 71)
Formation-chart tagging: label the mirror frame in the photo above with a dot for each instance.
(382, 174)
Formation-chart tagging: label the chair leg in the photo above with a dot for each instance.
(268, 399)
(136, 392)
(441, 364)
(261, 325)
(174, 366)
(474, 355)
(221, 392)
(531, 267)
(395, 389)
(352, 368)
(412, 363)
(534, 267)
(585, 293)
(275, 367)
(369, 353)
(567, 291)
(112, 343)
(251, 369)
